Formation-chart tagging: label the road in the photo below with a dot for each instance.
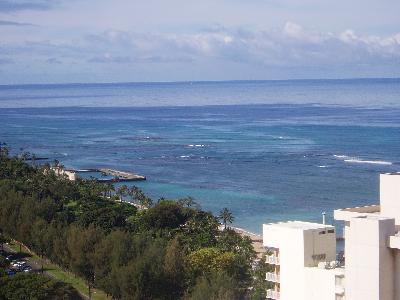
(36, 265)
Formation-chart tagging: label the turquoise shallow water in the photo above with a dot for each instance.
(279, 150)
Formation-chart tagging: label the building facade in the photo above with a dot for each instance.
(303, 260)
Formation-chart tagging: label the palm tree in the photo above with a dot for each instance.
(110, 188)
(145, 202)
(33, 159)
(3, 150)
(188, 202)
(122, 191)
(56, 162)
(226, 216)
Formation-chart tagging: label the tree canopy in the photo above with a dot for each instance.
(168, 250)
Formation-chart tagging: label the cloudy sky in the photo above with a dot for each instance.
(50, 41)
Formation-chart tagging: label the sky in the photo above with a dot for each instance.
(65, 41)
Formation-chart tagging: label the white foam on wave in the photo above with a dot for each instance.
(323, 166)
(374, 162)
(184, 156)
(197, 145)
(357, 160)
(341, 156)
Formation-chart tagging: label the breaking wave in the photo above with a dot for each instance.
(357, 160)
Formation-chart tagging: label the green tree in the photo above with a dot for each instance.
(164, 215)
(81, 246)
(168, 251)
(4, 150)
(174, 269)
(217, 286)
(259, 284)
(122, 192)
(200, 231)
(32, 286)
(140, 198)
(229, 240)
(206, 260)
(3, 239)
(226, 216)
(188, 202)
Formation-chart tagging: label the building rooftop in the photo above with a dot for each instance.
(300, 225)
(345, 214)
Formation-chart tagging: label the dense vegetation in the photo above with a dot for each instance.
(170, 250)
(34, 286)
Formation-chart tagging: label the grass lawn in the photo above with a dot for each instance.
(57, 273)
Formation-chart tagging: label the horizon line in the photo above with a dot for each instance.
(195, 81)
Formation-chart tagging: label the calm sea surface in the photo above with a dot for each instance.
(268, 151)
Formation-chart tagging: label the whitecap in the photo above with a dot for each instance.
(341, 156)
(357, 160)
(322, 166)
(374, 162)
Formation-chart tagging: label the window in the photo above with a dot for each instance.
(321, 232)
(331, 230)
(319, 257)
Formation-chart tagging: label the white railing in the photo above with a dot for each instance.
(272, 259)
(272, 277)
(272, 294)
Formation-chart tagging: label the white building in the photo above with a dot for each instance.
(302, 255)
(70, 174)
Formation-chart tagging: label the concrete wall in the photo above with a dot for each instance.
(320, 284)
(317, 243)
(297, 247)
(369, 262)
(390, 196)
(290, 243)
(396, 257)
(292, 265)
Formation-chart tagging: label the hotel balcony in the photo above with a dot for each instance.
(273, 277)
(272, 294)
(272, 259)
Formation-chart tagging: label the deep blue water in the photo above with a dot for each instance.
(266, 150)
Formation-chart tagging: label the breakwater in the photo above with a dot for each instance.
(114, 175)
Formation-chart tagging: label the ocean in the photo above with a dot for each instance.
(267, 150)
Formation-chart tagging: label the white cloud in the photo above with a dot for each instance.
(286, 48)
